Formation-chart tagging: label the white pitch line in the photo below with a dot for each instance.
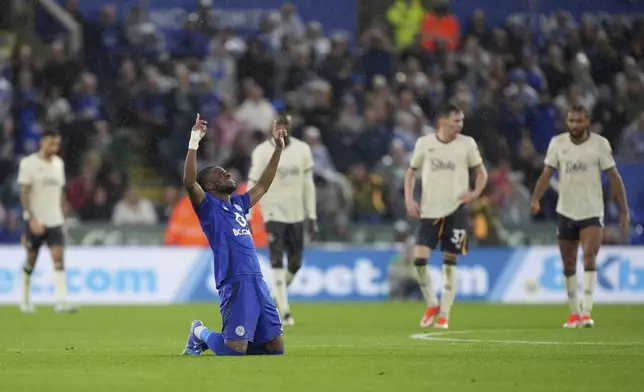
(438, 336)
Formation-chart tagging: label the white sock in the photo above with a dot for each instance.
(449, 289)
(588, 284)
(60, 286)
(289, 278)
(279, 290)
(26, 288)
(571, 289)
(197, 331)
(425, 282)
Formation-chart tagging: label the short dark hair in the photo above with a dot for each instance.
(202, 176)
(579, 109)
(447, 110)
(49, 133)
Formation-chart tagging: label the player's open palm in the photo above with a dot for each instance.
(279, 134)
(413, 210)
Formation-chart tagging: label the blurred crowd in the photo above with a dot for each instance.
(130, 97)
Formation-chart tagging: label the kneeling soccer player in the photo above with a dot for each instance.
(251, 322)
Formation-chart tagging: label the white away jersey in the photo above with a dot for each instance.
(46, 180)
(580, 167)
(291, 197)
(445, 172)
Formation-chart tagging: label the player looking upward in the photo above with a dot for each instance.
(250, 320)
(41, 177)
(287, 207)
(445, 160)
(580, 157)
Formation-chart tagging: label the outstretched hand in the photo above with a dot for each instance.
(200, 126)
(279, 134)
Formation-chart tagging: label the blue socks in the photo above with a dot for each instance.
(215, 342)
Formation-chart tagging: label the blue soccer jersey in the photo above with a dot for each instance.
(247, 309)
(229, 236)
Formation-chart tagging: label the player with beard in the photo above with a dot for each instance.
(580, 157)
(445, 160)
(250, 320)
(41, 177)
(287, 208)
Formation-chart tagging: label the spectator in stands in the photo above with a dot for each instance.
(80, 189)
(143, 35)
(608, 118)
(221, 66)
(86, 103)
(633, 140)
(255, 58)
(255, 112)
(544, 121)
(97, 209)
(322, 163)
(10, 228)
(59, 111)
(291, 22)
(134, 210)
(480, 30)
(60, 71)
(440, 29)
(170, 199)
(392, 169)
(368, 194)
(316, 43)
(192, 43)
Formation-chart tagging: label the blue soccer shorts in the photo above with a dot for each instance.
(248, 311)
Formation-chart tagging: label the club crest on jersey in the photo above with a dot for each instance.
(240, 330)
(238, 208)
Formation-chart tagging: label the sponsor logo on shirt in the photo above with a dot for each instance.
(576, 167)
(438, 164)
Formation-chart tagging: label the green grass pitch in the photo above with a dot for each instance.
(333, 347)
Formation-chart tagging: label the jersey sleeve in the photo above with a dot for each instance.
(205, 209)
(243, 201)
(25, 174)
(474, 158)
(308, 159)
(606, 160)
(551, 155)
(418, 156)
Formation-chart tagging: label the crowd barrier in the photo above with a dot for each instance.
(158, 275)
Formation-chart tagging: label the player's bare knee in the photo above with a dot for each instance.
(450, 258)
(276, 345)
(569, 267)
(241, 346)
(421, 253)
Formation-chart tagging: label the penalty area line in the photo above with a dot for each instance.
(446, 337)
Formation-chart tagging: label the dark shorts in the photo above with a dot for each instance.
(450, 231)
(568, 229)
(287, 237)
(248, 311)
(53, 236)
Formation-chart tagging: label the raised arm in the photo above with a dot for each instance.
(266, 179)
(195, 192)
